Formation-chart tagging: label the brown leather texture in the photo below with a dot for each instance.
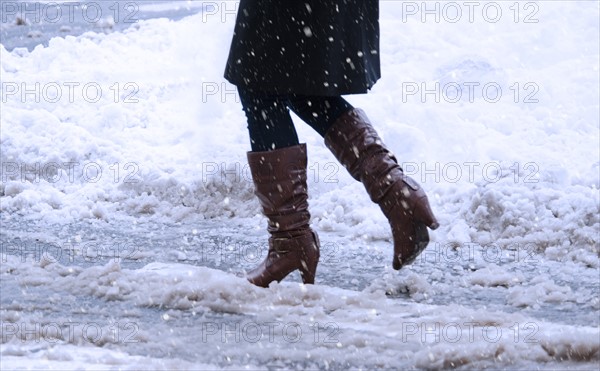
(280, 184)
(356, 144)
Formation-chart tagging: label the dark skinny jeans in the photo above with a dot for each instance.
(269, 122)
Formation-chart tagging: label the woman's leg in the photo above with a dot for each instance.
(319, 112)
(278, 166)
(269, 123)
(356, 144)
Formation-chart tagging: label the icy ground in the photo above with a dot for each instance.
(128, 217)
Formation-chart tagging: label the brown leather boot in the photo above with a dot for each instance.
(280, 184)
(355, 143)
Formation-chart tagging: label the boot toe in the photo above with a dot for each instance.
(409, 243)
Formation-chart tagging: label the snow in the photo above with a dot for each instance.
(386, 330)
(514, 183)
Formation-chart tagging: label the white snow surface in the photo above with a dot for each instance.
(167, 139)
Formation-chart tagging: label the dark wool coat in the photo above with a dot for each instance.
(309, 47)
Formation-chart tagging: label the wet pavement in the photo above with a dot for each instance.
(348, 264)
(352, 265)
(26, 24)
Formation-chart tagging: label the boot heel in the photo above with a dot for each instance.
(420, 203)
(424, 214)
(309, 260)
(308, 274)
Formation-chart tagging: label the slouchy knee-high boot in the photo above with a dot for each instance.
(357, 146)
(280, 183)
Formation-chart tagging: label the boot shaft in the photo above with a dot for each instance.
(280, 183)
